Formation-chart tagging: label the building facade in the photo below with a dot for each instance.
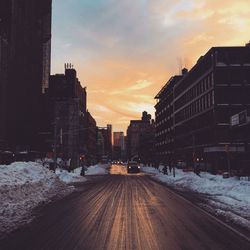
(90, 132)
(25, 43)
(118, 146)
(205, 99)
(5, 10)
(164, 121)
(118, 139)
(106, 134)
(136, 132)
(66, 100)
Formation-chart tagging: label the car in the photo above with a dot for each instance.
(133, 167)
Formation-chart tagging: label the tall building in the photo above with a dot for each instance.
(100, 145)
(25, 37)
(106, 133)
(118, 139)
(109, 142)
(137, 132)
(67, 111)
(118, 145)
(4, 52)
(90, 138)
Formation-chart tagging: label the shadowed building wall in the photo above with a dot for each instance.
(28, 25)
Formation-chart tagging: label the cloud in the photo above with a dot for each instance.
(125, 51)
(141, 84)
(101, 108)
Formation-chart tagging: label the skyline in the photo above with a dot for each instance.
(125, 59)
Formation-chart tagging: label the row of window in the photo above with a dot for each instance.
(197, 90)
(162, 111)
(164, 142)
(236, 75)
(163, 121)
(203, 103)
(164, 131)
(165, 153)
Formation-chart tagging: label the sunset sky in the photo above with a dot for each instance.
(125, 50)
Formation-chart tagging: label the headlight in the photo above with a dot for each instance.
(139, 167)
(129, 167)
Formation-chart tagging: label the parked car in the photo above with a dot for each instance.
(133, 167)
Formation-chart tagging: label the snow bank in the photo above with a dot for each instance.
(23, 186)
(99, 169)
(70, 177)
(227, 197)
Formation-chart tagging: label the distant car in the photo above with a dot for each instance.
(133, 167)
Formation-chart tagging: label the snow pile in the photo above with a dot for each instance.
(99, 169)
(23, 186)
(70, 177)
(229, 198)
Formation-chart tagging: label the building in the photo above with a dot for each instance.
(106, 134)
(118, 146)
(90, 132)
(109, 140)
(205, 99)
(4, 47)
(25, 42)
(100, 145)
(118, 139)
(67, 112)
(147, 145)
(164, 121)
(137, 130)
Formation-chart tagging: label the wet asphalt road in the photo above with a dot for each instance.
(122, 211)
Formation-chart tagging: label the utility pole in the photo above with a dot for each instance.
(55, 143)
(228, 159)
(194, 153)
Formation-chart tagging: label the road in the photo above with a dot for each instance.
(123, 211)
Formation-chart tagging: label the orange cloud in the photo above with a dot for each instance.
(126, 53)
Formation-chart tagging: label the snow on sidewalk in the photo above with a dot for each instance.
(229, 198)
(24, 186)
(70, 177)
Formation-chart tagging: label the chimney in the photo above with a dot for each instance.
(184, 71)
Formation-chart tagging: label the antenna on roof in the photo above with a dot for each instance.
(179, 62)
